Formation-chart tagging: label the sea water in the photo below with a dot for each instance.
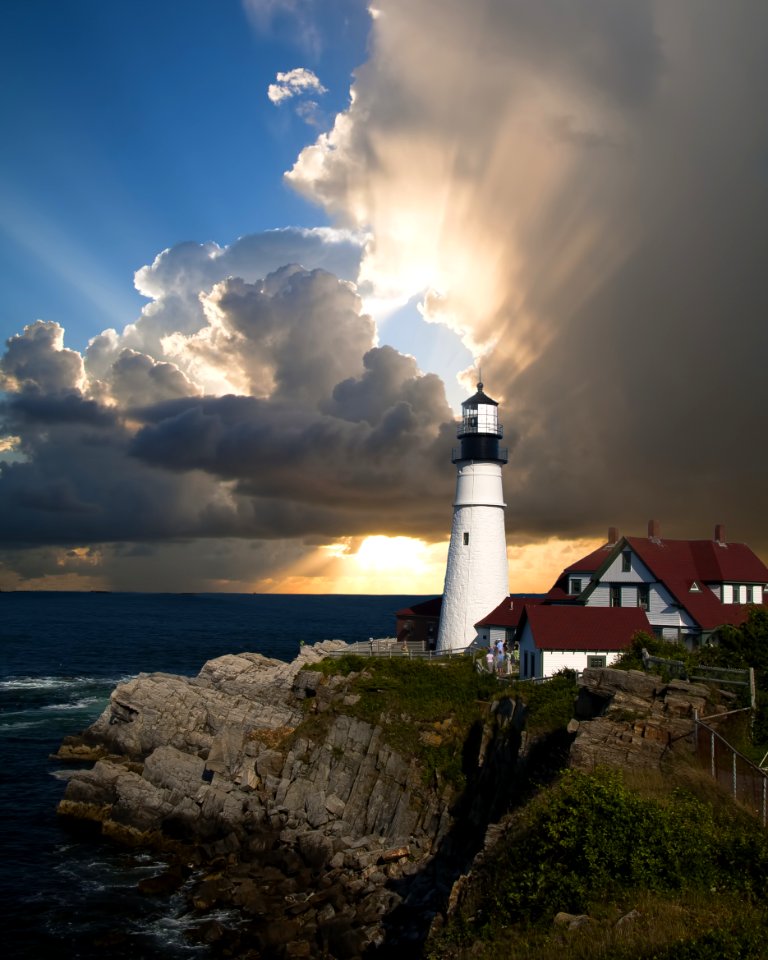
(61, 655)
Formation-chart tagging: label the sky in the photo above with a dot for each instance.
(254, 253)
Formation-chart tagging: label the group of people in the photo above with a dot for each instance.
(500, 657)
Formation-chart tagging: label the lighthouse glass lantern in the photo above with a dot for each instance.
(479, 430)
(476, 576)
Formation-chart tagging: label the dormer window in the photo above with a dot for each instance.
(575, 585)
(695, 588)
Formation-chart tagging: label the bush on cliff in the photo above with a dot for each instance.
(593, 845)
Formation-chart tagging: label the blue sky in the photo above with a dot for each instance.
(133, 126)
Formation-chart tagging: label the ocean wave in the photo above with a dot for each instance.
(172, 930)
(59, 683)
(81, 704)
(17, 725)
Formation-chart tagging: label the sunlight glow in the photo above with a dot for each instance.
(375, 564)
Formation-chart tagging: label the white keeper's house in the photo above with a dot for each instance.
(680, 590)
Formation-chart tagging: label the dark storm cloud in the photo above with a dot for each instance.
(599, 172)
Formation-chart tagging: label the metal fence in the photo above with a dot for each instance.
(391, 647)
(716, 676)
(744, 780)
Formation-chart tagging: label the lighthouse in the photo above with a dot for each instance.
(476, 575)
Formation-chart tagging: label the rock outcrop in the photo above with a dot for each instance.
(627, 718)
(311, 835)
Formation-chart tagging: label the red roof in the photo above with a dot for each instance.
(509, 611)
(427, 608)
(593, 561)
(561, 627)
(705, 560)
(679, 563)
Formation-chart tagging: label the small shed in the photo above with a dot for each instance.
(569, 637)
(503, 622)
(419, 623)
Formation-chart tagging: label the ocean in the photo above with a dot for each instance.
(67, 894)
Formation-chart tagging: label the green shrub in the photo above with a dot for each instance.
(592, 836)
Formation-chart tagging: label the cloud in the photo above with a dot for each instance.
(299, 18)
(294, 83)
(36, 360)
(177, 277)
(583, 192)
(327, 436)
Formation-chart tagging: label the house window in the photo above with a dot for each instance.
(615, 600)
(643, 596)
(626, 561)
(466, 538)
(595, 662)
(575, 584)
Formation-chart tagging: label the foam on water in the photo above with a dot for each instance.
(59, 683)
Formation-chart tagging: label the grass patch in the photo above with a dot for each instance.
(425, 709)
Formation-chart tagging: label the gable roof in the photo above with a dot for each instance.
(705, 560)
(510, 610)
(561, 627)
(679, 564)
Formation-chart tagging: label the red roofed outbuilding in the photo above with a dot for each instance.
(555, 637)
(503, 622)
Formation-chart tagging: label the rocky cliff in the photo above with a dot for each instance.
(255, 777)
(286, 807)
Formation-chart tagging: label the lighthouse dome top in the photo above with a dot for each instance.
(479, 398)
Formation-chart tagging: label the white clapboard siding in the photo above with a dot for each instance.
(554, 660)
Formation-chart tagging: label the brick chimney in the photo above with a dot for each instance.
(720, 533)
(613, 535)
(654, 530)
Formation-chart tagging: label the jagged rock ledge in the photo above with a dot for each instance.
(308, 835)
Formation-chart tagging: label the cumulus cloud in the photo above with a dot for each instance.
(177, 278)
(582, 190)
(294, 83)
(37, 361)
(327, 436)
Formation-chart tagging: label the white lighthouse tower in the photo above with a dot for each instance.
(476, 576)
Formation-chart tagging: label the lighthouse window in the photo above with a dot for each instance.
(466, 538)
